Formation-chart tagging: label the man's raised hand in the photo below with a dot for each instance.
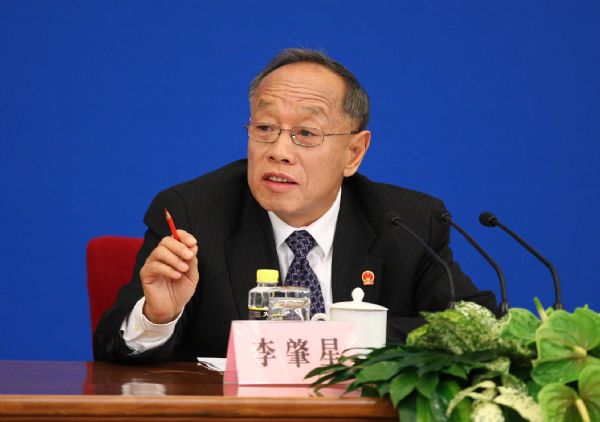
(169, 277)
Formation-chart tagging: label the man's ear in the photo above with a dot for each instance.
(356, 151)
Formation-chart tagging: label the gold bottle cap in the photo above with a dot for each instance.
(267, 276)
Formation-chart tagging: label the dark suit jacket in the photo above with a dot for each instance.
(235, 238)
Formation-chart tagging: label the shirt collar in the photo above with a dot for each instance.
(322, 230)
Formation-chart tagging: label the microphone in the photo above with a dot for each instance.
(396, 222)
(490, 220)
(445, 217)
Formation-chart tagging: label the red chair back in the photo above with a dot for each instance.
(110, 262)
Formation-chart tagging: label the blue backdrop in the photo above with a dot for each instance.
(488, 105)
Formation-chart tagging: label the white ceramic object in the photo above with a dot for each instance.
(370, 319)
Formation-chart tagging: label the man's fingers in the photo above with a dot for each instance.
(178, 248)
(172, 258)
(193, 273)
(187, 239)
(169, 257)
(156, 269)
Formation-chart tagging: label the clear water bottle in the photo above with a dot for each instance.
(289, 303)
(258, 297)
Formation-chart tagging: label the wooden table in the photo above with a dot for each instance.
(97, 391)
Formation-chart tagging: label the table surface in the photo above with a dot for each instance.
(59, 390)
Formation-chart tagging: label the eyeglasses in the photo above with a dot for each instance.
(303, 136)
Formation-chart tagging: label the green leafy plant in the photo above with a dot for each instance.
(416, 381)
(566, 344)
(561, 402)
(464, 364)
(488, 399)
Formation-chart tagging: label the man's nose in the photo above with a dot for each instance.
(282, 148)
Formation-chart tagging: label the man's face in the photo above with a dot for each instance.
(298, 183)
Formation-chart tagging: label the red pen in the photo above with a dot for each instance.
(172, 226)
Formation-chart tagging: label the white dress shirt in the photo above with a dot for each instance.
(319, 257)
(141, 334)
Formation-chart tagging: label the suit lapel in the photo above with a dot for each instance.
(251, 247)
(351, 258)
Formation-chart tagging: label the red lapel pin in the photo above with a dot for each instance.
(368, 278)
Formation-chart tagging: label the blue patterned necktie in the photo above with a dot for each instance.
(300, 273)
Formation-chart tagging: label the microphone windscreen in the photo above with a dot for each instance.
(488, 219)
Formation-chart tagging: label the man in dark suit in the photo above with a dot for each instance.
(307, 137)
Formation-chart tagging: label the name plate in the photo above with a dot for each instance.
(283, 352)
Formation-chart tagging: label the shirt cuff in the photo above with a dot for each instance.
(140, 334)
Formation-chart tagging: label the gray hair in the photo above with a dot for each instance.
(356, 99)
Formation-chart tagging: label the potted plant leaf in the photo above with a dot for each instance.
(464, 364)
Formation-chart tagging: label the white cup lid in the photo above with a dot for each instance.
(356, 304)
